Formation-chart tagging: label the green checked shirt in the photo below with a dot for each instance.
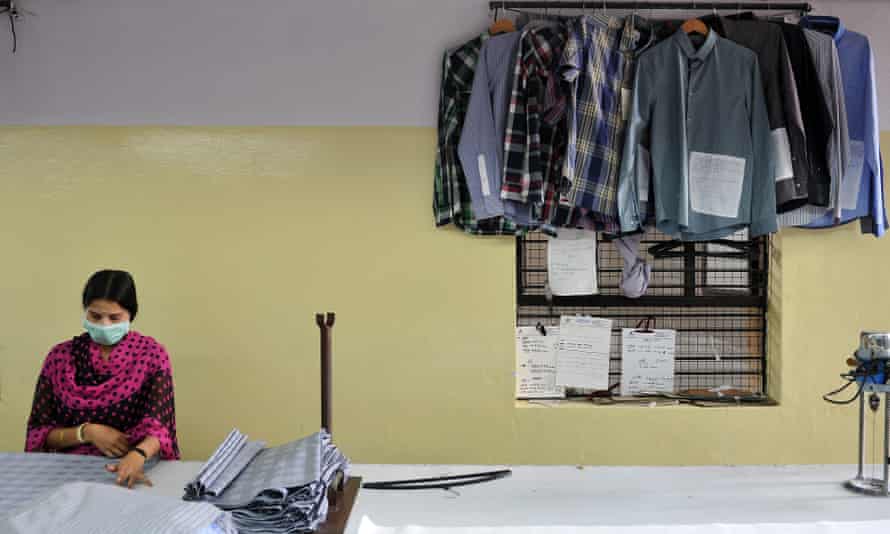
(451, 197)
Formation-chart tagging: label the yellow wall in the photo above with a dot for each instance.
(238, 236)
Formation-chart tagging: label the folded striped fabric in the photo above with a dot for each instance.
(229, 459)
(279, 489)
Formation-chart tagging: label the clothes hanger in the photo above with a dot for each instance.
(695, 25)
(503, 25)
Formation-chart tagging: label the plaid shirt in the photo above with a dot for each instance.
(594, 63)
(535, 126)
(451, 197)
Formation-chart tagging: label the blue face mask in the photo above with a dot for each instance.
(107, 335)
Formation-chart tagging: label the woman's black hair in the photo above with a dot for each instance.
(116, 286)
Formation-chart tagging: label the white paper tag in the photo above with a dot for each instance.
(483, 175)
(782, 149)
(644, 173)
(715, 183)
(853, 176)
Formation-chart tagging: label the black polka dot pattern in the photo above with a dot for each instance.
(131, 391)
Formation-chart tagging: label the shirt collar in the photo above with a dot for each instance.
(825, 22)
(689, 49)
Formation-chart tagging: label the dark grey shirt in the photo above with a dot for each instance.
(790, 144)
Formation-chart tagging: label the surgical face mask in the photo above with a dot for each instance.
(107, 335)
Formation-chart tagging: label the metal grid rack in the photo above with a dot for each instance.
(714, 294)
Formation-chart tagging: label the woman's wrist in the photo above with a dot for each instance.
(137, 452)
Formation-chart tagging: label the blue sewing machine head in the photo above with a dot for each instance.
(873, 357)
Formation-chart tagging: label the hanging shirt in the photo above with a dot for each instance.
(481, 146)
(816, 114)
(593, 64)
(862, 189)
(789, 141)
(711, 152)
(828, 68)
(534, 138)
(451, 197)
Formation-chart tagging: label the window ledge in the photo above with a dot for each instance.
(583, 403)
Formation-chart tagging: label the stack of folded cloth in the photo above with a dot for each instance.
(281, 489)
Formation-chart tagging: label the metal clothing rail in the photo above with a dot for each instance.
(629, 4)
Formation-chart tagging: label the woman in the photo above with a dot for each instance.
(108, 391)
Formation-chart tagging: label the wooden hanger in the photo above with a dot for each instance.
(501, 26)
(695, 26)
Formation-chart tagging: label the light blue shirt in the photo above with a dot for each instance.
(702, 116)
(862, 189)
(481, 145)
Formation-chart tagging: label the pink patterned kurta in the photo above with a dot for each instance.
(131, 391)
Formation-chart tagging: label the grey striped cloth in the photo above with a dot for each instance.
(828, 68)
(280, 489)
(90, 508)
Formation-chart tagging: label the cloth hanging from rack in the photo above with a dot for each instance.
(712, 161)
(786, 124)
(635, 273)
(481, 146)
(818, 123)
(451, 197)
(862, 189)
(534, 139)
(593, 65)
(825, 58)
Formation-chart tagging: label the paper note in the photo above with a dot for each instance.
(536, 363)
(715, 183)
(571, 262)
(853, 176)
(582, 357)
(782, 151)
(647, 361)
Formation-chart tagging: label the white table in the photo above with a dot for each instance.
(565, 495)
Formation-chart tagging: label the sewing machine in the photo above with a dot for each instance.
(871, 369)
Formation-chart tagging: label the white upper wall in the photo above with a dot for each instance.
(267, 62)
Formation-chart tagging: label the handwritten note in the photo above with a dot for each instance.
(647, 361)
(715, 183)
(582, 358)
(536, 363)
(571, 262)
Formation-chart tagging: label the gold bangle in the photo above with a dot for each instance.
(80, 437)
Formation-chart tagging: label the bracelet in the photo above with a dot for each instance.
(80, 437)
(140, 451)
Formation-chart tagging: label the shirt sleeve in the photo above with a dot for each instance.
(629, 203)
(793, 192)
(478, 148)
(840, 139)
(44, 413)
(877, 208)
(763, 190)
(516, 182)
(159, 418)
(442, 206)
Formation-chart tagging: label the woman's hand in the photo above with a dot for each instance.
(129, 470)
(110, 441)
